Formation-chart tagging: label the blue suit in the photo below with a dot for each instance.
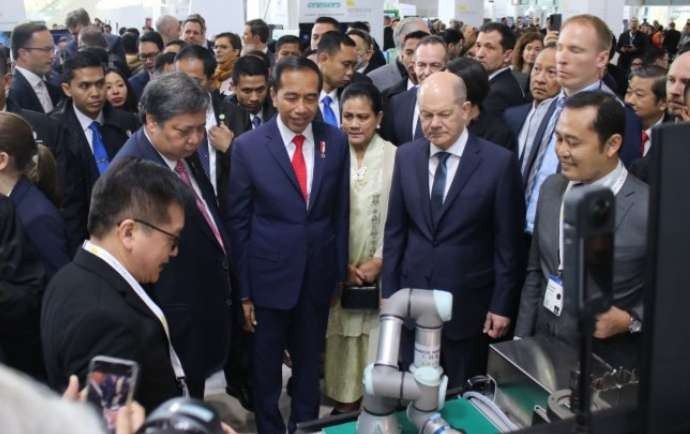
(397, 121)
(515, 117)
(473, 248)
(194, 289)
(43, 225)
(138, 82)
(289, 259)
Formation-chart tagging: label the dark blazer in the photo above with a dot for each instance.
(504, 92)
(639, 41)
(24, 95)
(473, 249)
(629, 262)
(194, 289)
(515, 117)
(491, 128)
(671, 40)
(243, 123)
(397, 119)
(80, 170)
(138, 82)
(43, 225)
(90, 310)
(114, 42)
(356, 78)
(22, 280)
(280, 246)
(389, 93)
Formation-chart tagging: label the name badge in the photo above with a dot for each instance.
(553, 297)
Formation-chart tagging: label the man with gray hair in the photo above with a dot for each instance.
(194, 289)
(75, 21)
(169, 28)
(391, 74)
(455, 221)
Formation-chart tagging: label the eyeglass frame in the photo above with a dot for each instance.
(175, 238)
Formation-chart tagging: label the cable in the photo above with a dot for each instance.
(491, 409)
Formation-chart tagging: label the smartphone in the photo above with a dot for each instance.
(555, 22)
(110, 385)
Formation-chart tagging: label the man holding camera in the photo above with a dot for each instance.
(589, 135)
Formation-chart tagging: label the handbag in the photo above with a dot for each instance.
(360, 297)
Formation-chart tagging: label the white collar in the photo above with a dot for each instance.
(333, 94)
(33, 78)
(456, 148)
(613, 180)
(495, 73)
(410, 84)
(86, 121)
(287, 134)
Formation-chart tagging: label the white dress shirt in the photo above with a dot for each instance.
(335, 103)
(456, 150)
(85, 122)
(410, 84)
(307, 148)
(39, 87)
(530, 128)
(211, 122)
(258, 115)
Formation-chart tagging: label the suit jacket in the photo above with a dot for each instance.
(629, 260)
(138, 82)
(80, 169)
(398, 118)
(243, 122)
(357, 77)
(388, 75)
(90, 310)
(284, 250)
(390, 92)
(504, 92)
(639, 41)
(42, 224)
(491, 128)
(114, 42)
(473, 249)
(194, 289)
(24, 95)
(671, 40)
(515, 117)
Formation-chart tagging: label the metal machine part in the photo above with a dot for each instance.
(425, 385)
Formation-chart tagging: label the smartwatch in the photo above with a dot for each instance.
(635, 325)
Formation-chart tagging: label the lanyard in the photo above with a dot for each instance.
(153, 307)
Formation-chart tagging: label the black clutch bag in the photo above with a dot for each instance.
(360, 297)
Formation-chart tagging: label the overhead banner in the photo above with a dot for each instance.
(370, 11)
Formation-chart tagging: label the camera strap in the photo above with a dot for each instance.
(150, 304)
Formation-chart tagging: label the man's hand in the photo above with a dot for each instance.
(612, 322)
(496, 325)
(220, 137)
(129, 418)
(72, 392)
(227, 429)
(370, 270)
(551, 37)
(249, 317)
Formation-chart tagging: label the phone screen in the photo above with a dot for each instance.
(110, 386)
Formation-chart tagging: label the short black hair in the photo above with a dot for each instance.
(287, 39)
(22, 34)
(417, 34)
(294, 64)
(77, 17)
(362, 34)
(654, 72)
(331, 42)
(610, 118)
(134, 30)
(249, 66)
(198, 52)
(360, 25)
(131, 100)
(82, 59)
(198, 19)
(475, 77)
(452, 36)
(328, 20)
(363, 89)
(130, 42)
(259, 55)
(508, 38)
(134, 188)
(260, 28)
(163, 59)
(4, 64)
(234, 39)
(179, 42)
(154, 37)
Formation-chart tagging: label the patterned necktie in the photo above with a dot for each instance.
(44, 96)
(99, 152)
(328, 114)
(439, 185)
(256, 121)
(181, 171)
(299, 165)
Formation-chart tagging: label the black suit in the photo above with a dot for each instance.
(639, 43)
(80, 169)
(493, 129)
(505, 92)
(357, 77)
(24, 95)
(398, 118)
(90, 310)
(671, 40)
(243, 122)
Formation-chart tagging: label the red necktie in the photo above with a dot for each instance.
(299, 166)
(184, 176)
(643, 139)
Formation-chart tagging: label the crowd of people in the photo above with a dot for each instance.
(198, 206)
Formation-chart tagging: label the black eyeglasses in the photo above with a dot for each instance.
(174, 238)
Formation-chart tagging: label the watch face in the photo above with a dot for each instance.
(635, 326)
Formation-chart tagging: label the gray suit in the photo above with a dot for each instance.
(630, 249)
(386, 76)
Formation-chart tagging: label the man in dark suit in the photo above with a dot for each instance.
(454, 223)
(78, 19)
(337, 58)
(288, 223)
(589, 132)
(194, 291)
(96, 131)
(671, 40)
(401, 122)
(250, 94)
(631, 43)
(406, 59)
(96, 305)
(495, 44)
(33, 53)
(255, 38)
(150, 44)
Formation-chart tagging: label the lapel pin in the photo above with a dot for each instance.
(322, 149)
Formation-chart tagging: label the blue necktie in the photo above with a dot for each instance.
(204, 157)
(99, 152)
(256, 122)
(328, 114)
(439, 185)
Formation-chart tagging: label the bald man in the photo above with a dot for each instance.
(676, 79)
(455, 223)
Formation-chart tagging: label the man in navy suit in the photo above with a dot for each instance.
(150, 44)
(454, 223)
(288, 223)
(194, 289)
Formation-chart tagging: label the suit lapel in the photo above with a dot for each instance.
(625, 199)
(319, 163)
(276, 146)
(551, 219)
(29, 91)
(469, 162)
(421, 163)
(538, 138)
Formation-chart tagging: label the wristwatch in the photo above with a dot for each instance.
(635, 325)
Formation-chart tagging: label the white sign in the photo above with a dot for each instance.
(12, 13)
(370, 11)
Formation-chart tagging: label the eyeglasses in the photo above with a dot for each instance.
(175, 240)
(44, 49)
(147, 56)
